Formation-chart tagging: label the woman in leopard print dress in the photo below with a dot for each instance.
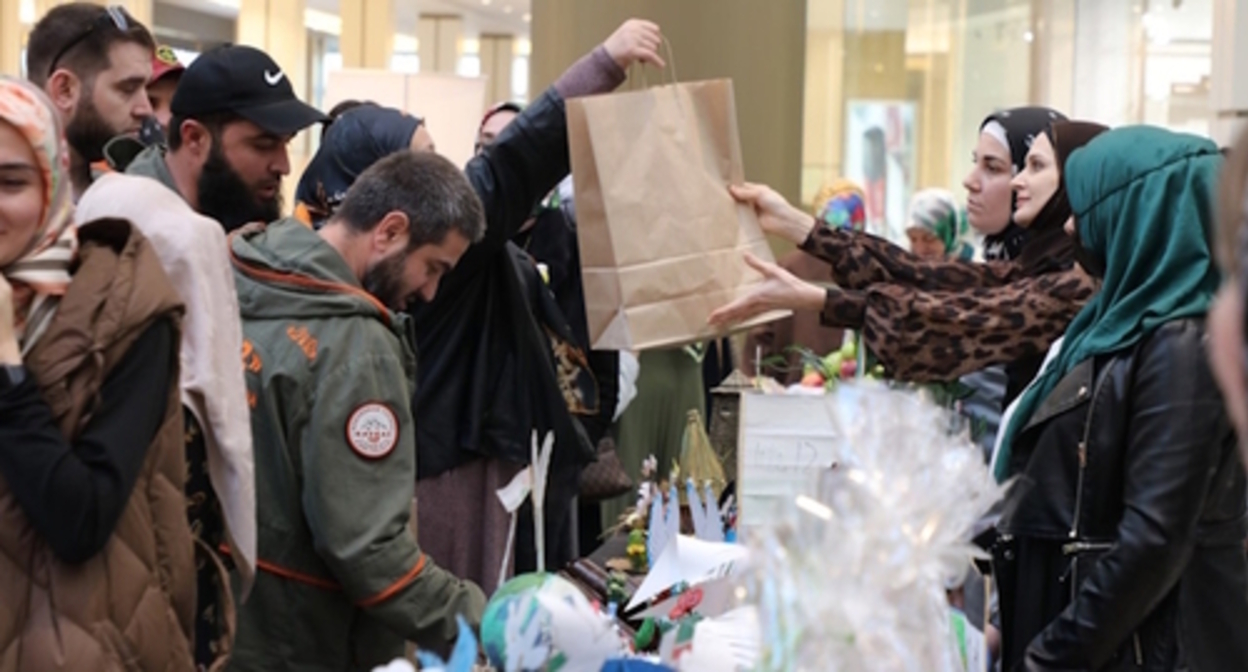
(938, 320)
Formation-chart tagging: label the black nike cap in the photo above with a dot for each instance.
(247, 82)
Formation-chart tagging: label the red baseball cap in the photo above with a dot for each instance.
(165, 62)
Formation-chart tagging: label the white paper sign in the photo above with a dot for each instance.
(786, 441)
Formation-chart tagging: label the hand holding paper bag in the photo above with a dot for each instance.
(635, 41)
(780, 290)
(661, 238)
(776, 215)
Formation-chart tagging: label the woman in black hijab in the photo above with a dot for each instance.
(999, 155)
(360, 135)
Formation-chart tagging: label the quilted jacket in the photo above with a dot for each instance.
(130, 606)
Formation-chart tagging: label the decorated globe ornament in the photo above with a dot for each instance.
(543, 622)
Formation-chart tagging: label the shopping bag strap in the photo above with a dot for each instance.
(671, 64)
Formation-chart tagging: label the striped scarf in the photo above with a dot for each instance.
(40, 275)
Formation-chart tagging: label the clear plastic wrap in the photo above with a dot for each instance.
(852, 578)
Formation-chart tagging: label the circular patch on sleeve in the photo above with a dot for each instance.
(372, 430)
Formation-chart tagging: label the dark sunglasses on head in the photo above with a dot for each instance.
(113, 15)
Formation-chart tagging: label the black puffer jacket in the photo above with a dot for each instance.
(1123, 541)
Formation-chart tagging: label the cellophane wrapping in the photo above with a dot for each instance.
(853, 576)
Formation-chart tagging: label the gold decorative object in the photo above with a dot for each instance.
(698, 460)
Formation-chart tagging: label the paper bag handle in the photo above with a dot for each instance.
(671, 59)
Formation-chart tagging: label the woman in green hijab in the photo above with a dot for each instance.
(937, 227)
(1126, 518)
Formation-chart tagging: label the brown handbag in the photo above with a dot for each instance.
(605, 478)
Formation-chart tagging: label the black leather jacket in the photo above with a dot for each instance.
(1131, 481)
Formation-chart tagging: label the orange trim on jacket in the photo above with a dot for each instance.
(395, 587)
(303, 281)
(303, 214)
(316, 582)
(287, 573)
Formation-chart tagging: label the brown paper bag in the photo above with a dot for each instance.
(661, 239)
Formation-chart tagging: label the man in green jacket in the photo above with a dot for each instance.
(330, 369)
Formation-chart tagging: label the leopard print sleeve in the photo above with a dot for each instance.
(923, 336)
(859, 260)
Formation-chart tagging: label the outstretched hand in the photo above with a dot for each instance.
(779, 290)
(775, 214)
(636, 41)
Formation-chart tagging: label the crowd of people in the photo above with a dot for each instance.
(237, 437)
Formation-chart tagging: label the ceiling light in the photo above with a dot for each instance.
(507, 9)
(486, 2)
(528, 18)
(1029, 36)
(406, 44)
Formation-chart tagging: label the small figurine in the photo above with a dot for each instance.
(649, 467)
(617, 592)
(637, 550)
(646, 635)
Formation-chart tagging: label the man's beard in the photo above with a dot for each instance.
(385, 280)
(87, 132)
(224, 196)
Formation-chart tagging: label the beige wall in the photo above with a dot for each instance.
(824, 113)
(761, 45)
(367, 38)
(497, 57)
(12, 37)
(266, 25)
(441, 41)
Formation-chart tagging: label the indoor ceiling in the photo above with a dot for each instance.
(480, 16)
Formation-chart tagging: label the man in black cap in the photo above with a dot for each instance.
(234, 114)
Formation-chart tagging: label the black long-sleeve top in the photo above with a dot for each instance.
(74, 492)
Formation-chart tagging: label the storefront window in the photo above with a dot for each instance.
(896, 89)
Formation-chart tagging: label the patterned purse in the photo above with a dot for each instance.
(605, 478)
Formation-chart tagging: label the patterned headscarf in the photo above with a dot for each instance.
(40, 275)
(841, 204)
(936, 211)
